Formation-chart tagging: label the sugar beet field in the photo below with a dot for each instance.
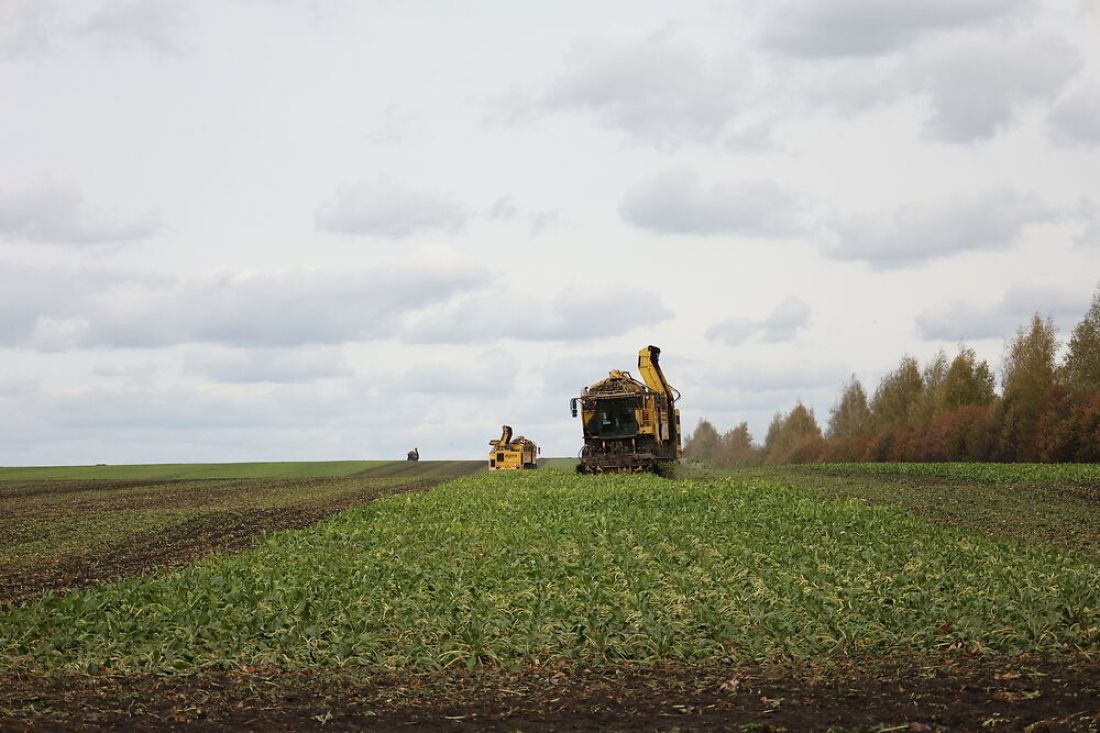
(436, 596)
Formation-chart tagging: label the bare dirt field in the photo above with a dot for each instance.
(946, 693)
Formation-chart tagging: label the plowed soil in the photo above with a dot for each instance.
(218, 516)
(423, 468)
(931, 694)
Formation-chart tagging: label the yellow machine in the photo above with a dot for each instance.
(509, 454)
(629, 426)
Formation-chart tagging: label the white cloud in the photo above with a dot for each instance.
(790, 316)
(40, 299)
(280, 365)
(384, 209)
(958, 320)
(568, 376)
(573, 315)
(762, 386)
(491, 375)
(974, 85)
(676, 202)
(733, 331)
(159, 408)
(152, 24)
(17, 386)
(830, 28)
(977, 85)
(506, 210)
(57, 213)
(28, 26)
(64, 308)
(783, 324)
(989, 220)
(1090, 215)
(1075, 119)
(656, 88)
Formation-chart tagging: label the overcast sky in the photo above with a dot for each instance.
(323, 230)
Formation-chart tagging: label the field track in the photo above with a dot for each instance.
(180, 471)
(425, 469)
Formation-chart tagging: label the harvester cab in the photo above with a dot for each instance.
(512, 454)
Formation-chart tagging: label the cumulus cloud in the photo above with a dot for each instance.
(159, 408)
(974, 84)
(977, 85)
(830, 28)
(917, 232)
(782, 324)
(63, 309)
(31, 27)
(383, 209)
(56, 213)
(962, 321)
(19, 386)
(278, 365)
(138, 23)
(656, 88)
(1075, 119)
(676, 202)
(28, 26)
(1090, 215)
(505, 209)
(35, 297)
(574, 315)
(492, 374)
(756, 386)
(569, 375)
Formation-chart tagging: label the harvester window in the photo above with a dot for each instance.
(615, 418)
(500, 457)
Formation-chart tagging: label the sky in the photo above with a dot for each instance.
(235, 230)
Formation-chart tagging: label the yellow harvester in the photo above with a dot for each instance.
(629, 426)
(509, 454)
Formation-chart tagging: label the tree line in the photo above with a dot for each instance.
(1047, 410)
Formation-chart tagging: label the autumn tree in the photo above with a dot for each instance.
(850, 416)
(703, 443)
(898, 395)
(1081, 371)
(775, 430)
(932, 379)
(736, 448)
(967, 382)
(1028, 381)
(795, 438)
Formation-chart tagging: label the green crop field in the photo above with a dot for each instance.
(988, 472)
(559, 464)
(1055, 505)
(309, 597)
(510, 569)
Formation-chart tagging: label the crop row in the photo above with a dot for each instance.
(495, 569)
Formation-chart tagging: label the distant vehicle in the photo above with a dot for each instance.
(509, 454)
(629, 426)
(414, 455)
